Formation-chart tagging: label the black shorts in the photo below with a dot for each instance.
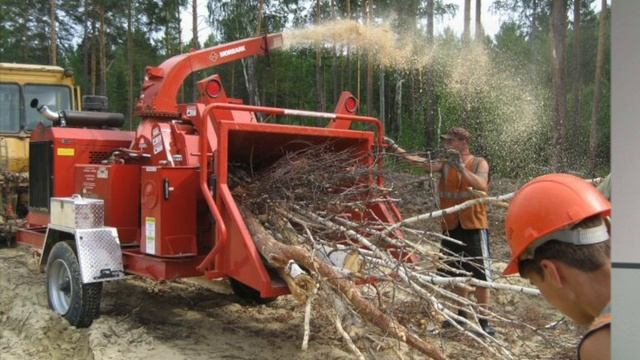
(474, 256)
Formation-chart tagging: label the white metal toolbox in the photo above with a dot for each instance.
(77, 213)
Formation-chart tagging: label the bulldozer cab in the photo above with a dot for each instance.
(20, 83)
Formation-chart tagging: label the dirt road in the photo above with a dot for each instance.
(141, 319)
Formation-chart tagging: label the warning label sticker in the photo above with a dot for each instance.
(66, 151)
(150, 232)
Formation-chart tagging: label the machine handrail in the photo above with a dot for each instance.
(221, 240)
(301, 113)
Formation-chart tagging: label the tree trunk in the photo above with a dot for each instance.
(414, 95)
(397, 124)
(103, 51)
(430, 20)
(479, 29)
(93, 58)
(322, 102)
(576, 80)
(577, 65)
(178, 30)
(466, 32)
(130, 58)
(53, 46)
(195, 43)
(533, 32)
(259, 17)
(430, 116)
(86, 42)
(249, 66)
(348, 54)
(249, 71)
(593, 135)
(335, 63)
(369, 64)
(558, 56)
(382, 114)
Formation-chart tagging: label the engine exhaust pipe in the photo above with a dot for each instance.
(45, 111)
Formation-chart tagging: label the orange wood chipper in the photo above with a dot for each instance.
(157, 203)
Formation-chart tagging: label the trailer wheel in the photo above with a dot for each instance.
(248, 293)
(77, 302)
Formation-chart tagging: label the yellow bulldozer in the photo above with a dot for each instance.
(54, 87)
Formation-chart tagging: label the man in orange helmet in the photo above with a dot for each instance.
(462, 176)
(557, 228)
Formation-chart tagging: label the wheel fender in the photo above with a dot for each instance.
(51, 237)
(98, 251)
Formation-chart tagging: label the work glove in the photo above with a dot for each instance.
(454, 159)
(393, 147)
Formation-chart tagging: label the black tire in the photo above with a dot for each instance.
(248, 293)
(77, 302)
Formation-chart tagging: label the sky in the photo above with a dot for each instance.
(490, 21)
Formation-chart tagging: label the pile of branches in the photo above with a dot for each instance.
(310, 214)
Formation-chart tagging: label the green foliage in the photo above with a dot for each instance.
(499, 91)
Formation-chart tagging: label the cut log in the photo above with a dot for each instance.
(278, 255)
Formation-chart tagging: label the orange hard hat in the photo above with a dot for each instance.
(545, 205)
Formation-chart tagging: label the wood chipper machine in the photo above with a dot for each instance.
(157, 203)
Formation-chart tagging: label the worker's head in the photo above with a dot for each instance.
(556, 227)
(457, 138)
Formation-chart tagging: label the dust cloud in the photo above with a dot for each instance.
(498, 102)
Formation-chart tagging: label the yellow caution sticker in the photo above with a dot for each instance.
(66, 151)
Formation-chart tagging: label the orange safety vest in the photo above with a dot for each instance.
(453, 190)
(602, 321)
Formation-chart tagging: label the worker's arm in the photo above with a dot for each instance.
(431, 165)
(597, 346)
(479, 180)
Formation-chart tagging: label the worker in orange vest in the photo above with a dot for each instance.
(463, 175)
(558, 229)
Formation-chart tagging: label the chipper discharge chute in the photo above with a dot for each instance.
(167, 197)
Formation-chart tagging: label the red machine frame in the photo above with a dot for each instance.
(202, 137)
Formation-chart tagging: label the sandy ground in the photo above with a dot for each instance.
(194, 319)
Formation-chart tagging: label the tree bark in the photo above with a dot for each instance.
(397, 124)
(195, 43)
(479, 29)
(369, 64)
(93, 59)
(249, 71)
(130, 59)
(430, 116)
(430, 20)
(335, 63)
(593, 134)
(53, 46)
(103, 51)
(249, 66)
(466, 32)
(279, 254)
(322, 102)
(259, 17)
(382, 96)
(558, 56)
